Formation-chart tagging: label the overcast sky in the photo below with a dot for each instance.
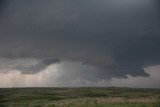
(80, 43)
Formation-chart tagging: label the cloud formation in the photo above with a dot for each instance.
(66, 74)
(37, 67)
(118, 38)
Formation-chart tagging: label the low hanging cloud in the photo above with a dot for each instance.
(37, 67)
(66, 74)
(118, 38)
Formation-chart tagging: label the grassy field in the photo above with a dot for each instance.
(79, 97)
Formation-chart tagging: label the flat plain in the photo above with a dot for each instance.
(79, 97)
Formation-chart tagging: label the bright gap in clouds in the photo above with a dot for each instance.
(66, 74)
(41, 79)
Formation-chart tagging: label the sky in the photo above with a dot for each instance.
(76, 43)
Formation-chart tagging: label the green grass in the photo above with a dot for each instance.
(79, 97)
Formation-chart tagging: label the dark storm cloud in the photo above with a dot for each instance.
(2, 4)
(37, 67)
(76, 71)
(117, 37)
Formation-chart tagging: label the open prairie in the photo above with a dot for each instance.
(79, 97)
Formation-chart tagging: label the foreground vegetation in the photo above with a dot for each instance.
(79, 97)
